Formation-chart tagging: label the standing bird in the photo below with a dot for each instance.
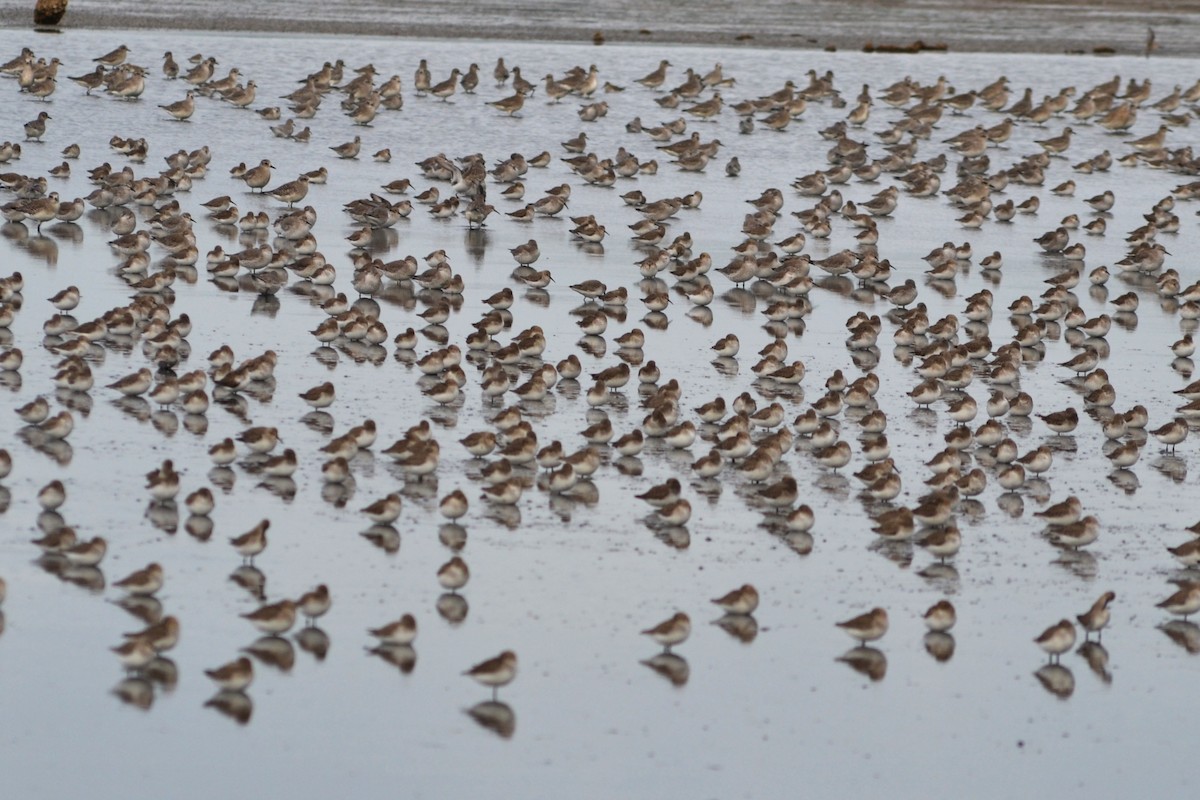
(1057, 639)
(252, 542)
(867, 627)
(671, 632)
(35, 129)
(446, 88)
(114, 58)
(495, 672)
(1096, 618)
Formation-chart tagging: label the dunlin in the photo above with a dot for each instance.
(274, 618)
(144, 582)
(1184, 602)
(743, 600)
(252, 542)
(315, 603)
(671, 632)
(401, 632)
(454, 574)
(495, 672)
(1059, 638)
(940, 617)
(236, 676)
(1096, 618)
(867, 627)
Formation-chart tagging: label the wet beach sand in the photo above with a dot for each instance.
(746, 707)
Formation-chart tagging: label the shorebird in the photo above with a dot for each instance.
(495, 672)
(182, 110)
(671, 632)
(509, 105)
(291, 192)
(867, 627)
(1057, 639)
(1096, 618)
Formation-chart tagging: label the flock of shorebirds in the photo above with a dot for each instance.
(157, 233)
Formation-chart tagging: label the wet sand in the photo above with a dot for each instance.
(1108, 27)
(568, 581)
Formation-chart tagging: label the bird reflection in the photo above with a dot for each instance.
(147, 609)
(1096, 657)
(800, 542)
(496, 716)
(252, 579)
(1012, 504)
(90, 578)
(136, 407)
(1126, 480)
(162, 672)
(867, 661)
(199, 528)
(1172, 467)
(163, 515)
(900, 553)
(49, 521)
(676, 536)
(273, 651)
(385, 537)
(319, 421)
(223, 478)
(505, 514)
(67, 231)
(315, 641)
(743, 627)
(283, 487)
(671, 666)
(44, 249)
(1183, 633)
(236, 705)
(137, 692)
(58, 450)
(943, 576)
(165, 423)
(1080, 563)
(939, 645)
(1057, 680)
(452, 607)
(401, 656)
(453, 536)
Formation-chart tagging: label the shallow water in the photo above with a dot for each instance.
(569, 583)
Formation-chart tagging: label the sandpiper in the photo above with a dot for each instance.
(319, 397)
(401, 632)
(1060, 637)
(867, 627)
(495, 672)
(236, 676)
(671, 632)
(1184, 602)
(315, 604)
(453, 575)
(273, 619)
(252, 542)
(743, 600)
(940, 617)
(144, 582)
(1096, 618)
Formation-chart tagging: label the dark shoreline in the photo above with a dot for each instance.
(1104, 28)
